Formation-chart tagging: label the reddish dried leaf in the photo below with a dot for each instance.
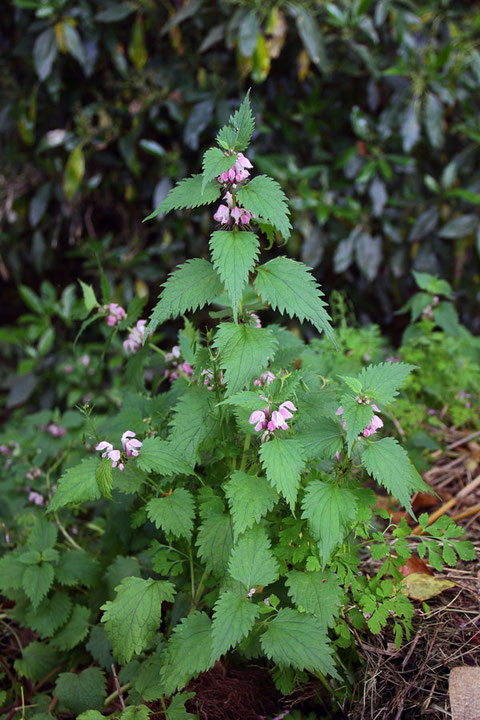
(414, 565)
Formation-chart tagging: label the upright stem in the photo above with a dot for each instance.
(246, 445)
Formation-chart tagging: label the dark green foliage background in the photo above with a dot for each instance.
(367, 114)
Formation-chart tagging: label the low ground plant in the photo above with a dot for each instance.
(216, 500)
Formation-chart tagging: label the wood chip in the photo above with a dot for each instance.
(464, 691)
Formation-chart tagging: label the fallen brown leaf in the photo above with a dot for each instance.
(420, 586)
(414, 565)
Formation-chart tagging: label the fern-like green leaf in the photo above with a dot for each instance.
(188, 193)
(233, 255)
(191, 286)
(288, 285)
(264, 198)
(244, 353)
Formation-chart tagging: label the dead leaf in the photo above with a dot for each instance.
(464, 692)
(426, 500)
(414, 565)
(419, 586)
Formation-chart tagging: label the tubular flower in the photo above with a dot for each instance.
(130, 444)
(225, 213)
(115, 314)
(375, 423)
(113, 455)
(175, 368)
(269, 421)
(135, 338)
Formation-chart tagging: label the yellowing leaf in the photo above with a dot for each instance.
(137, 51)
(419, 586)
(74, 172)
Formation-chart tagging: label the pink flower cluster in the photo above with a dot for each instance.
(238, 172)
(56, 430)
(209, 379)
(269, 421)
(131, 447)
(375, 423)
(255, 320)
(176, 368)
(115, 314)
(226, 213)
(135, 338)
(265, 379)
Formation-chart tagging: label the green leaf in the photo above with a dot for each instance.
(330, 511)
(76, 567)
(77, 485)
(356, 416)
(132, 619)
(234, 254)
(188, 652)
(289, 286)
(82, 691)
(103, 475)
(250, 498)
(37, 581)
(322, 439)
(161, 457)
(264, 198)
(460, 227)
(432, 284)
(44, 53)
(115, 13)
(176, 709)
(389, 464)
(382, 382)
(252, 562)
(188, 193)
(75, 630)
(434, 120)
(11, 572)
(283, 462)
(299, 640)
(192, 285)
(38, 659)
(215, 162)
(319, 593)
(88, 296)
(244, 353)
(236, 135)
(173, 513)
(233, 618)
(43, 535)
(446, 317)
(311, 36)
(192, 423)
(74, 172)
(214, 541)
(137, 712)
(51, 614)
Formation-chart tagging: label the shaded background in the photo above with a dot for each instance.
(367, 114)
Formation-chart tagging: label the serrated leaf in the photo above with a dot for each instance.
(75, 630)
(134, 616)
(252, 561)
(188, 652)
(138, 712)
(298, 640)
(99, 647)
(233, 618)
(159, 456)
(244, 352)
(188, 193)
(43, 535)
(173, 513)
(214, 542)
(11, 571)
(37, 581)
(88, 296)
(51, 614)
(250, 497)
(322, 439)
(176, 709)
(330, 511)
(82, 691)
(192, 424)
(236, 135)
(390, 465)
(264, 198)
(356, 416)
(103, 476)
(234, 253)
(215, 162)
(288, 285)
(77, 485)
(283, 462)
(76, 567)
(382, 382)
(319, 593)
(37, 660)
(191, 286)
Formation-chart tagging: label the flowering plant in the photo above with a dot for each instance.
(245, 489)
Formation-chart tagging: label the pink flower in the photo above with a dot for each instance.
(265, 379)
(285, 408)
(231, 174)
(242, 161)
(116, 313)
(259, 419)
(104, 445)
(256, 320)
(130, 444)
(135, 338)
(222, 215)
(229, 199)
(278, 420)
(84, 360)
(114, 456)
(36, 498)
(56, 430)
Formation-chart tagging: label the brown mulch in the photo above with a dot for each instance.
(412, 682)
